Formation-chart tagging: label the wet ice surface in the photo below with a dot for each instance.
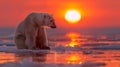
(74, 52)
(12, 57)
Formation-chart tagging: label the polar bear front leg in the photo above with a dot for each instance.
(41, 39)
(30, 41)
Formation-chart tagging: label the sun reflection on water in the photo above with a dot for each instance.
(108, 59)
(4, 57)
(75, 39)
(74, 59)
(73, 35)
(72, 44)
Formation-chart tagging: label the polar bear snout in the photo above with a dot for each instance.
(53, 26)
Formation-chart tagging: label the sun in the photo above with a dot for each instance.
(72, 16)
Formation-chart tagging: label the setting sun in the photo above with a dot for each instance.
(72, 16)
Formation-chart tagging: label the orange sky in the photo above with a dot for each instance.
(95, 13)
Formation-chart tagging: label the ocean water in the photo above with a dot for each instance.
(70, 49)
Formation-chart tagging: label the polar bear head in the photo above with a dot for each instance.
(49, 21)
(44, 19)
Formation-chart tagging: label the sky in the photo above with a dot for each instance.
(95, 13)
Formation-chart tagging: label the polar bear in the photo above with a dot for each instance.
(31, 34)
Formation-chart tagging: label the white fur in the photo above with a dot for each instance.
(27, 30)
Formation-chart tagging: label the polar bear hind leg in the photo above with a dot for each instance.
(20, 42)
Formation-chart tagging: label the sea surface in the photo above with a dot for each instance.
(67, 50)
